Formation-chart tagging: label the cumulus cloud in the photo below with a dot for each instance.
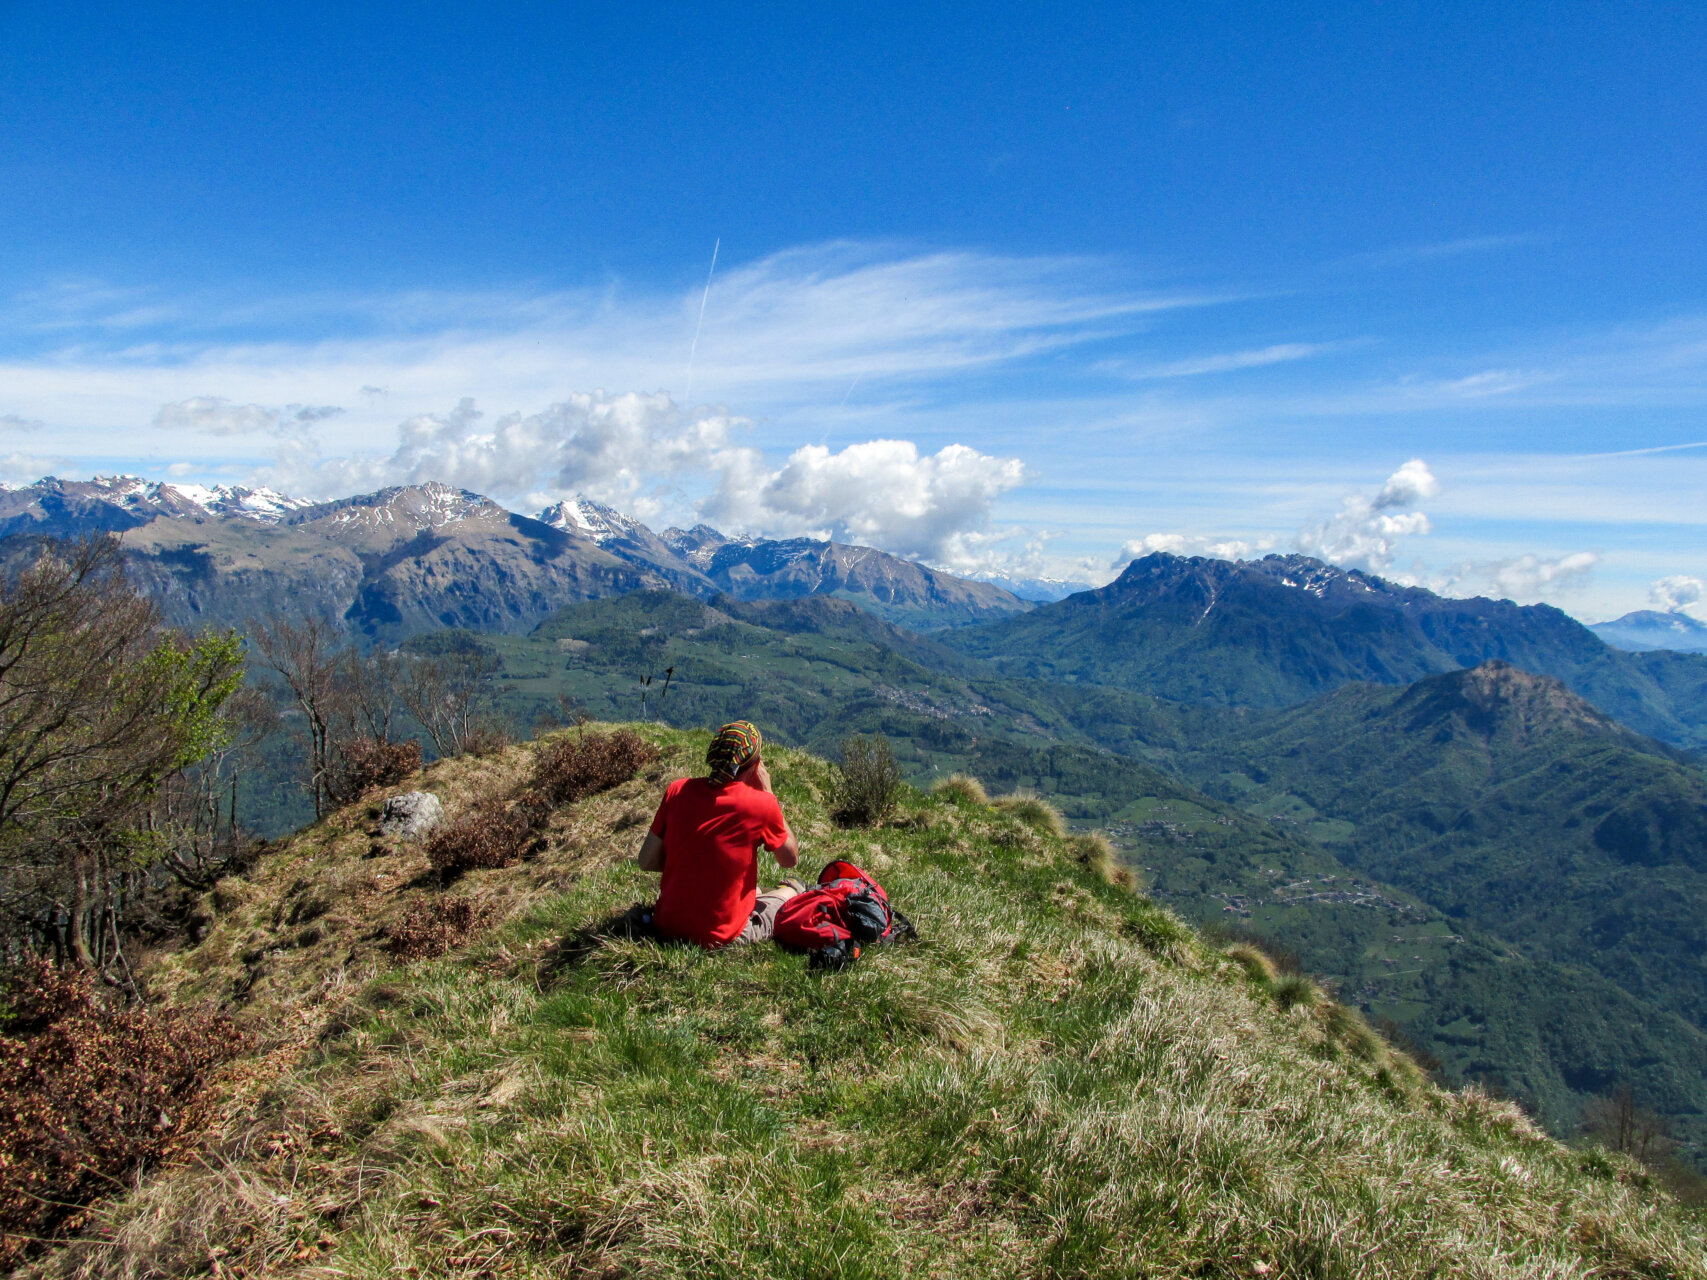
(217, 416)
(25, 468)
(882, 493)
(1188, 544)
(645, 454)
(1521, 578)
(1678, 594)
(1363, 533)
(618, 448)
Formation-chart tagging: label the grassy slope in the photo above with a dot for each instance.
(1538, 1027)
(1059, 1080)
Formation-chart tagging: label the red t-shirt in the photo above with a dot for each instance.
(711, 873)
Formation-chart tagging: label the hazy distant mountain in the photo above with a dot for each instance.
(417, 557)
(1037, 590)
(1648, 629)
(1279, 631)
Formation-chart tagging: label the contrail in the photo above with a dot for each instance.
(687, 399)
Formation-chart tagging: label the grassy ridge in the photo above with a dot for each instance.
(1061, 1079)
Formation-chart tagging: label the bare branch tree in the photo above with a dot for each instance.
(309, 657)
(370, 687)
(447, 694)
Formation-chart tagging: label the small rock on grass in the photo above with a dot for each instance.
(411, 815)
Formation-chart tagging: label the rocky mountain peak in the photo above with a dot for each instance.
(699, 545)
(591, 519)
(430, 505)
(1495, 697)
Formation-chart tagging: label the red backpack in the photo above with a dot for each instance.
(846, 912)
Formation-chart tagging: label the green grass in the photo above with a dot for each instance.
(1059, 1079)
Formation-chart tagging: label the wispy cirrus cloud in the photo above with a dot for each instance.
(1093, 405)
(1225, 362)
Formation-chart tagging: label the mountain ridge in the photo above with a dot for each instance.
(1278, 631)
(415, 557)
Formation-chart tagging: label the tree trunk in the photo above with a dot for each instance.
(78, 926)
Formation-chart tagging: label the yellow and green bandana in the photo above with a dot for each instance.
(735, 746)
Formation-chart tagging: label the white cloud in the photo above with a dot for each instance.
(644, 454)
(1363, 532)
(881, 493)
(619, 448)
(1678, 594)
(26, 468)
(1232, 361)
(1524, 579)
(15, 422)
(1187, 544)
(217, 416)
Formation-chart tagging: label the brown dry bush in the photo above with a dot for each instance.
(489, 835)
(91, 1092)
(576, 767)
(433, 926)
(365, 763)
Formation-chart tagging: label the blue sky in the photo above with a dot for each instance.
(1006, 287)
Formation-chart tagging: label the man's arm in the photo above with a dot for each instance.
(788, 853)
(652, 853)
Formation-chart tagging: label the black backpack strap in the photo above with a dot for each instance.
(900, 929)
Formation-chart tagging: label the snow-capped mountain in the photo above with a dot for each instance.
(592, 519)
(266, 505)
(416, 557)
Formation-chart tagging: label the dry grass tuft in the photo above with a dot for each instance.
(1295, 991)
(1255, 963)
(1035, 812)
(1097, 855)
(962, 789)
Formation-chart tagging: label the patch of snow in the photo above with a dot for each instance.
(591, 519)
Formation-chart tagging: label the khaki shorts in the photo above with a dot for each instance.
(762, 924)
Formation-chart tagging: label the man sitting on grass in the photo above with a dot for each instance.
(706, 840)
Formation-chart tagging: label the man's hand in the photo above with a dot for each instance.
(761, 777)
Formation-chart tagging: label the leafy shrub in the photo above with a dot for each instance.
(433, 926)
(867, 781)
(573, 768)
(365, 763)
(1033, 810)
(961, 789)
(487, 835)
(90, 1093)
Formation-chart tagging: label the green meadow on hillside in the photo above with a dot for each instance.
(1540, 1025)
(1059, 1079)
